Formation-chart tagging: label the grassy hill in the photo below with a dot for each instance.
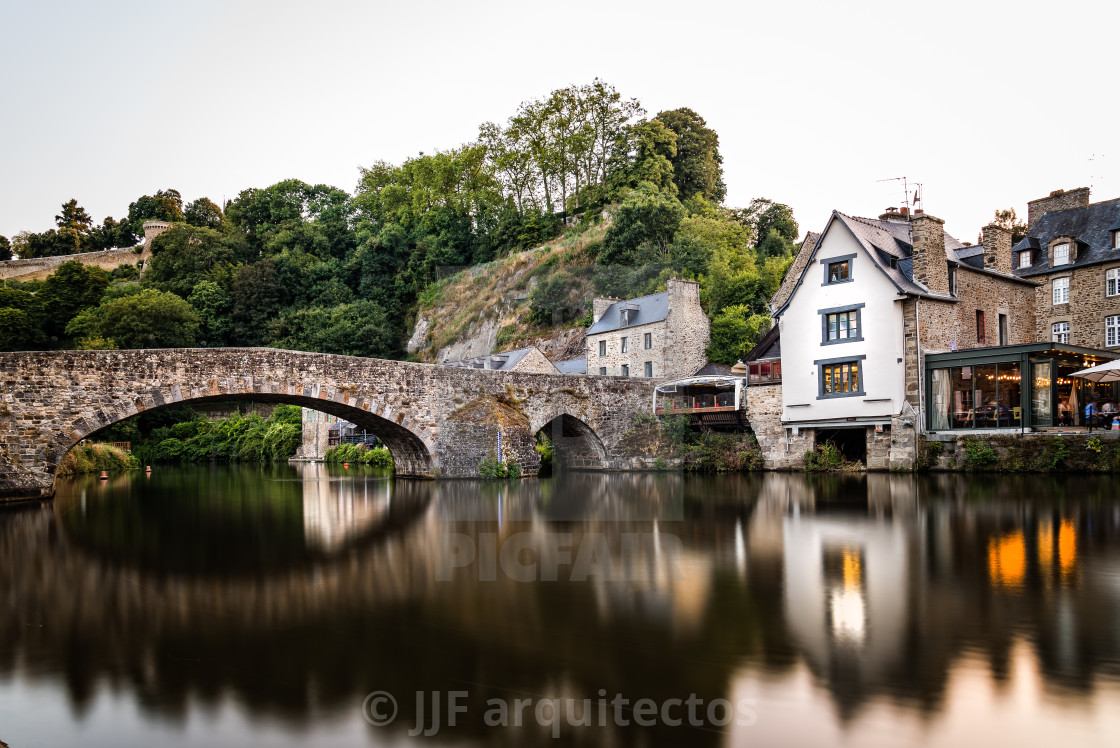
(487, 308)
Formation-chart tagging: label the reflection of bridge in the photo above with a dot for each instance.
(437, 421)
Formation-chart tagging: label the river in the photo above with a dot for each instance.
(315, 605)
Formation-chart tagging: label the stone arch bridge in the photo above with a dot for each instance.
(437, 421)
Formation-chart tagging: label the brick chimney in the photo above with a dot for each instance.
(1056, 200)
(931, 268)
(599, 307)
(997, 248)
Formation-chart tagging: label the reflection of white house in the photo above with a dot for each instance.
(336, 512)
(847, 591)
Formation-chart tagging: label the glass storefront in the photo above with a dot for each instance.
(965, 391)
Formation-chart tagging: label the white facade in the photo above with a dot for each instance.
(877, 349)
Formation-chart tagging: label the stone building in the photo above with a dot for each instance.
(1072, 248)
(663, 335)
(525, 360)
(871, 298)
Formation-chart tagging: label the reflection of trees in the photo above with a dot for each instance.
(941, 567)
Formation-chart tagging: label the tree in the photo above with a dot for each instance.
(212, 305)
(646, 216)
(555, 300)
(258, 297)
(5, 248)
(776, 217)
(698, 166)
(356, 329)
(108, 235)
(150, 319)
(74, 216)
(645, 153)
(203, 212)
(735, 330)
(1008, 220)
(184, 255)
(68, 290)
(17, 330)
(165, 205)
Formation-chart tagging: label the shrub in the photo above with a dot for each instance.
(490, 469)
(978, 454)
(92, 458)
(826, 458)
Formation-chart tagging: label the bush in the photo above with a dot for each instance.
(826, 458)
(93, 458)
(490, 469)
(978, 454)
(378, 457)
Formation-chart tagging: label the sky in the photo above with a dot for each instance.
(985, 104)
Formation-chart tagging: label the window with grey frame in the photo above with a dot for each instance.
(647, 340)
(622, 342)
(842, 324)
(840, 377)
(602, 371)
(625, 370)
(837, 269)
(602, 347)
(649, 368)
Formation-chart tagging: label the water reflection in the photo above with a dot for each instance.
(856, 608)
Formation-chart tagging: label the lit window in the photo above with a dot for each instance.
(602, 347)
(1061, 254)
(648, 340)
(1112, 330)
(625, 370)
(1061, 290)
(841, 378)
(624, 347)
(649, 368)
(1061, 332)
(1112, 282)
(1025, 258)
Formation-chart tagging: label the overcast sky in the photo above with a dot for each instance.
(987, 104)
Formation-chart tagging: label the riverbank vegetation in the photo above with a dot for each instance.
(637, 199)
(184, 435)
(1032, 454)
(93, 458)
(670, 441)
(359, 454)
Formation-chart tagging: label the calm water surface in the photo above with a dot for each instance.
(212, 606)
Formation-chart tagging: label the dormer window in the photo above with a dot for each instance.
(1061, 254)
(1025, 259)
(1116, 239)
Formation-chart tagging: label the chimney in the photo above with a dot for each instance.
(1056, 200)
(894, 214)
(683, 293)
(599, 307)
(931, 267)
(997, 248)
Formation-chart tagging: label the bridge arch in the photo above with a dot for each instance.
(412, 453)
(575, 445)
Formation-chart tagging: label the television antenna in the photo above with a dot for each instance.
(909, 201)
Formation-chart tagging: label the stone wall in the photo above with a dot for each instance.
(535, 362)
(50, 400)
(1087, 308)
(930, 267)
(764, 411)
(37, 268)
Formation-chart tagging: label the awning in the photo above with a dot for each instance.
(1109, 372)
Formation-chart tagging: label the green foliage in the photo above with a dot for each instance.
(490, 469)
(978, 453)
(826, 458)
(357, 329)
(184, 256)
(555, 300)
(239, 438)
(150, 319)
(647, 218)
(17, 330)
(697, 164)
(212, 305)
(68, 290)
(734, 332)
(165, 205)
(93, 458)
(203, 212)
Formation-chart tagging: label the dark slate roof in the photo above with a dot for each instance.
(712, 369)
(1091, 226)
(498, 361)
(770, 346)
(653, 308)
(884, 240)
(575, 366)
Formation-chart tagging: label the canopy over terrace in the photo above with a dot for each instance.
(713, 400)
(1012, 387)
